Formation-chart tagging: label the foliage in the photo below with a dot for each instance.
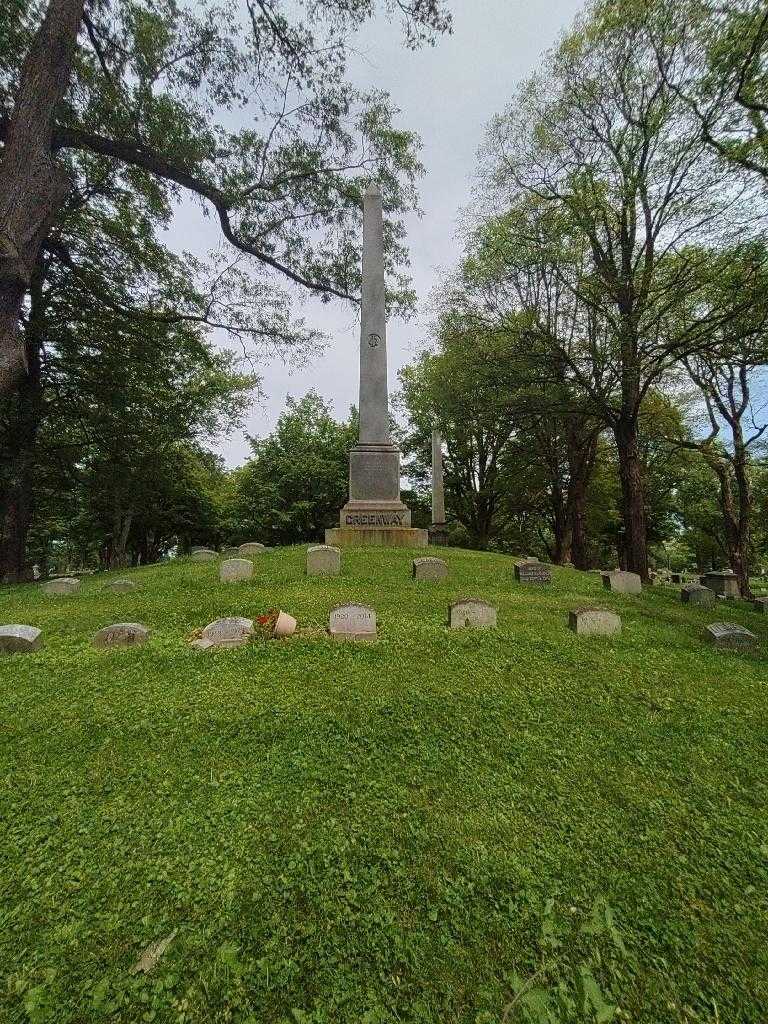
(297, 479)
(343, 833)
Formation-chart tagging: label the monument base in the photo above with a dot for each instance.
(379, 536)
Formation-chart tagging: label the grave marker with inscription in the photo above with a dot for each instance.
(61, 587)
(231, 632)
(471, 612)
(121, 634)
(323, 560)
(375, 512)
(533, 572)
(731, 635)
(234, 569)
(251, 548)
(620, 582)
(203, 555)
(694, 593)
(429, 569)
(121, 586)
(19, 639)
(352, 622)
(594, 622)
(724, 584)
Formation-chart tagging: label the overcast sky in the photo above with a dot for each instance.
(447, 95)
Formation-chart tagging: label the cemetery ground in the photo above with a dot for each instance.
(432, 827)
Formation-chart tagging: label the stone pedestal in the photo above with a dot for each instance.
(377, 536)
(723, 584)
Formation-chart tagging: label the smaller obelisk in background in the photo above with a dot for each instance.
(374, 513)
(438, 531)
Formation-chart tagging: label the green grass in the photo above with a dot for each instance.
(346, 833)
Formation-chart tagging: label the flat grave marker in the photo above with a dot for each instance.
(731, 635)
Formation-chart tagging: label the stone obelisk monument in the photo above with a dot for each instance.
(374, 513)
(438, 531)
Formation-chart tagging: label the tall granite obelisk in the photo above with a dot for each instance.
(374, 513)
(438, 531)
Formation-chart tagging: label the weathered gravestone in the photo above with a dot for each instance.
(323, 560)
(230, 552)
(121, 586)
(533, 572)
(724, 583)
(121, 634)
(731, 635)
(620, 582)
(251, 548)
(471, 612)
(203, 555)
(17, 639)
(761, 605)
(231, 632)
(234, 569)
(429, 569)
(694, 593)
(62, 586)
(352, 622)
(594, 622)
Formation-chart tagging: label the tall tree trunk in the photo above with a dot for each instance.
(33, 185)
(561, 525)
(577, 520)
(18, 498)
(736, 513)
(635, 544)
(121, 528)
(582, 452)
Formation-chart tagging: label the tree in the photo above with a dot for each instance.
(296, 481)
(458, 392)
(609, 180)
(727, 90)
(116, 396)
(146, 91)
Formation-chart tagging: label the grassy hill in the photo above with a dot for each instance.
(412, 830)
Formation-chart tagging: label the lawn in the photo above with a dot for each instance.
(434, 827)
